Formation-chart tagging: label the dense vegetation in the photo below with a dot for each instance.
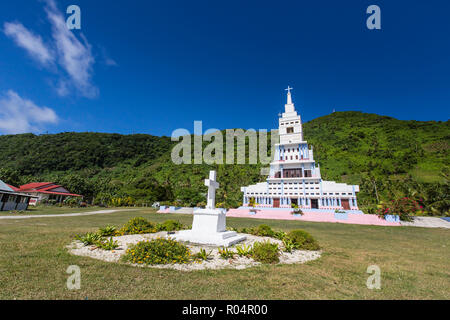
(388, 158)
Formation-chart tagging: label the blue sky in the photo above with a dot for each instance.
(155, 66)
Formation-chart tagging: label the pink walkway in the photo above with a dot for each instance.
(352, 218)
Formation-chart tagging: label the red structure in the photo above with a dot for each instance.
(47, 191)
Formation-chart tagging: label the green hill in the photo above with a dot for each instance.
(387, 157)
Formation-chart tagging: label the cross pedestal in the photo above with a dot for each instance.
(209, 224)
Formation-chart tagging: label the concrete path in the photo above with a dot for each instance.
(63, 214)
(427, 222)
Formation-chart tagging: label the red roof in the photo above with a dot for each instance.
(52, 192)
(44, 187)
(35, 185)
(12, 187)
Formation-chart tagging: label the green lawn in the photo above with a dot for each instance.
(413, 261)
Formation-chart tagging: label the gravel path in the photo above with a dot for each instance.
(64, 214)
(215, 261)
(427, 222)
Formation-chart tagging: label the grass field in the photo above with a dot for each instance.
(413, 262)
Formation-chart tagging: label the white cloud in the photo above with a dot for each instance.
(32, 43)
(74, 56)
(19, 115)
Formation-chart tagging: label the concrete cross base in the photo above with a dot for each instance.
(220, 239)
(209, 227)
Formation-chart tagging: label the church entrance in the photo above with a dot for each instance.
(314, 204)
(345, 204)
(276, 202)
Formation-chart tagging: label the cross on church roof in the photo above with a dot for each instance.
(289, 89)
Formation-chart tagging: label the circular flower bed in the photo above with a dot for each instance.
(158, 250)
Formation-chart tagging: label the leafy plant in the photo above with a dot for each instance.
(203, 255)
(107, 244)
(107, 231)
(158, 251)
(266, 252)
(404, 207)
(288, 245)
(296, 209)
(89, 238)
(264, 231)
(138, 225)
(244, 250)
(302, 240)
(280, 235)
(169, 225)
(226, 253)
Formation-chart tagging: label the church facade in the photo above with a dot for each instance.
(294, 176)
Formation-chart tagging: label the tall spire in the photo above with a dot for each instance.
(289, 107)
(289, 97)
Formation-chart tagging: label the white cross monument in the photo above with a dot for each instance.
(212, 185)
(209, 224)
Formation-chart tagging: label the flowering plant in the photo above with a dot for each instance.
(404, 207)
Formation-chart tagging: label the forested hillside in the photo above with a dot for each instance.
(388, 158)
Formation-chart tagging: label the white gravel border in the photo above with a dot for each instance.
(214, 262)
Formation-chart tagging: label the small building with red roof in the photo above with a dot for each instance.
(47, 191)
(11, 199)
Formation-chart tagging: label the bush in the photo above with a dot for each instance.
(244, 250)
(107, 231)
(266, 252)
(89, 238)
(226, 253)
(138, 225)
(264, 231)
(302, 240)
(158, 251)
(280, 235)
(170, 225)
(404, 207)
(203, 255)
(107, 244)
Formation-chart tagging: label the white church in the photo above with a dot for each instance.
(294, 177)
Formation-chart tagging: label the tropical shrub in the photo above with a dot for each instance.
(280, 235)
(264, 231)
(266, 252)
(203, 255)
(71, 202)
(169, 225)
(288, 245)
(244, 250)
(404, 207)
(107, 231)
(226, 253)
(302, 240)
(158, 251)
(138, 225)
(107, 244)
(89, 238)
